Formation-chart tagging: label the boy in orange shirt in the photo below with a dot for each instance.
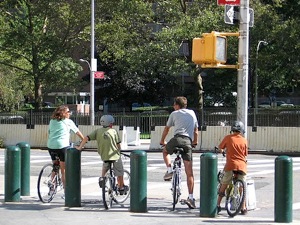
(236, 152)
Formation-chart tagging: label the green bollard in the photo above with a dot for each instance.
(283, 189)
(73, 178)
(138, 181)
(25, 165)
(208, 184)
(12, 174)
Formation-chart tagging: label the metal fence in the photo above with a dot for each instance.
(148, 120)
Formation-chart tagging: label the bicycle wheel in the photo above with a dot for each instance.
(107, 192)
(47, 184)
(175, 189)
(235, 200)
(122, 197)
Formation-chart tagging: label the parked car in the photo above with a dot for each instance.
(264, 105)
(137, 106)
(278, 103)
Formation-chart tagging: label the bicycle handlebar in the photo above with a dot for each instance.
(122, 153)
(217, 150)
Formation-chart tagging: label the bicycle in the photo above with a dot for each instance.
(176, 178)
(109, 186)
(235, 192)
(49, 181)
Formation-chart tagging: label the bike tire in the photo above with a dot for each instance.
(107, 192)
(175, 189)
(118, 198)
(47, 184)
(235, 200)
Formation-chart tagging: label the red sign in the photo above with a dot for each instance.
(99, 75)
(229, 2)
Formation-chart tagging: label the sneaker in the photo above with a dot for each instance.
(244, 211)
(101, 181)
(219, 209)
(63, 196)
(168, 176)
(191, 203)
(123, 190)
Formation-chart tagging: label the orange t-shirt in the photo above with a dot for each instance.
(236, 151)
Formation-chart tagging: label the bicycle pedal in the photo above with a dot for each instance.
(183, 202)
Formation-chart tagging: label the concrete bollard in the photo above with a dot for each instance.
(208, 184)
(12, 187)
(138, 181)
(73, 178)
(25, 165)
(283, 189)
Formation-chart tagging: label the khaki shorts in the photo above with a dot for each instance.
(181, 142)
(117, 167)
(228, 177)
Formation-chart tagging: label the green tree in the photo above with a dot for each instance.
(37, 39)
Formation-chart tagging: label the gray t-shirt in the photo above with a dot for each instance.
(184, 122)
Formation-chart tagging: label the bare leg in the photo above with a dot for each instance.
(188, 165)
(166, 157)
(221, 193)
(62, 169)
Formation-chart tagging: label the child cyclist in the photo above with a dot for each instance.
(108, 148)
(236, 152)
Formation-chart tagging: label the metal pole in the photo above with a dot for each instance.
(255, 86)
(242, 89)
(256, 80)
(138, 181)
(208, 187)
(92, 66)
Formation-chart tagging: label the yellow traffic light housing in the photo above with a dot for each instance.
(211, 50)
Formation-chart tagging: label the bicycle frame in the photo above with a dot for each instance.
(176, 179)
(110, 190)
(48, 181)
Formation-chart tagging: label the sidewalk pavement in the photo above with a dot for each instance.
(30, 211)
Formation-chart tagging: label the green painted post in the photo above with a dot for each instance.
(25, 168)
(283, 189)
(73, 178)
(208, 184)
(138, 181)
(12, 189)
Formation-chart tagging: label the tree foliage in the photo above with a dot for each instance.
(36, 39)
(139, 47)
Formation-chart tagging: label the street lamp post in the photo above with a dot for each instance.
(92, 66)
(256, 80)
(92, 89)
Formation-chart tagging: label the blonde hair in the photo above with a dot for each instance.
(181, 101)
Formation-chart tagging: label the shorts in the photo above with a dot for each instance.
(58, 152)
(117, 167)
(228, 177)
(181, 142)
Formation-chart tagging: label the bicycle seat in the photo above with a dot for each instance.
(238, 172)
(178, 150)
(109, 161)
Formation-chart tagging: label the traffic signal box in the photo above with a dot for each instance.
(210, 51)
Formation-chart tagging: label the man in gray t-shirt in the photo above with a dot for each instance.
(185, 126)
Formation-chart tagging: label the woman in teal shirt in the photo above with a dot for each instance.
(59, 130)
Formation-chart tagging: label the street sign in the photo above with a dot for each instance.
(251, 17)
(229, 14)
(99, 75)
(232, 14)
(229, 2)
